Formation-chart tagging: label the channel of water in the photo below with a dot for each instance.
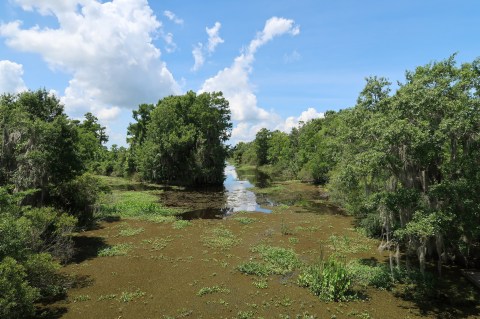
(218, 202)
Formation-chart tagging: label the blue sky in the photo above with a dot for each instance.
(278, 62)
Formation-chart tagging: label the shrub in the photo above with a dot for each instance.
(42, 274)
(17, 297)
(50, 230)
(329, 280)
(79, 196)
(14, 234)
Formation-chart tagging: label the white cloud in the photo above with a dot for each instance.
(172, 17)
(198, 56)
(292, 121)
(106, 47)
(292, 57)
(246, 131)
(235, 84)
(171, 45)
(200, 50)
(214, 37)
(11, 80)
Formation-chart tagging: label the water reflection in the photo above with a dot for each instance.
(239, 198)
(214, 203)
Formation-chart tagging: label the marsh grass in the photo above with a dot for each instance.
(220, 238)
(127, 232)
(141, 205)
(328, 279)
(293, 240)
(157, 243)
(116, 250)
(81, 298)
(273, 260)
(285, 229)
(210, 290)
(245, 220)
(260, 284)
(180, 224)
(342, 245)
(107, 297)
(307, 228)
(127, 296)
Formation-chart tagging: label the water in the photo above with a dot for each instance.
(239, 198)
(218, 202)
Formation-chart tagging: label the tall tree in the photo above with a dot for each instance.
(185, 140)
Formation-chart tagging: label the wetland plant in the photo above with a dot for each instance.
(116, 250)
(329, 279)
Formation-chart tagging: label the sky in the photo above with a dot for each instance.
(277, 62)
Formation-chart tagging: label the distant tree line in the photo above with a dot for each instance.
(405, 163)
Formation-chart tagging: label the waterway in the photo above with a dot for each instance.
(219, 202)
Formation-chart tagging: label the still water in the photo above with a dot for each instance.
(239, 197)
(218, 202)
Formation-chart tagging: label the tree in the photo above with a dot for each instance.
(185, 140)
(261, 146)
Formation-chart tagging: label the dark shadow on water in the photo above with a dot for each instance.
(86, 247)
(50, 312)
(207, 213)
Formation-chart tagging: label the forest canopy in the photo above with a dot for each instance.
(181, 139)
(405, 163)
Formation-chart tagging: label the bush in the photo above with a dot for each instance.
(378, 276)
(329, 280)
(50, 230)
(14, 234)
(79, 197)
(42, 274)
(17, 297)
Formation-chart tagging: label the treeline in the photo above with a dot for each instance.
(44, 195)
(47, 190)
(180, 140)
(405, 163)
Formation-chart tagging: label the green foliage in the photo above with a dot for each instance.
(40, 145)
(180, 224)
(245, 220)
(127, 232)
(221, 238)
(184, 139)
(136, 205)
(210, 290)
(328, 279)
(254, 268)
(274, 260)
(367, 274)
(128, 296)
(17, 297)
(42, 272)
(405, 163)
(116, 250)
(80, 196)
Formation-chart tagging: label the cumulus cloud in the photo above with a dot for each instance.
(11, 80)
(235, 84)
(200, 50)
(172, 17)
(293, 121)
(107, 48)
(214, 37)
